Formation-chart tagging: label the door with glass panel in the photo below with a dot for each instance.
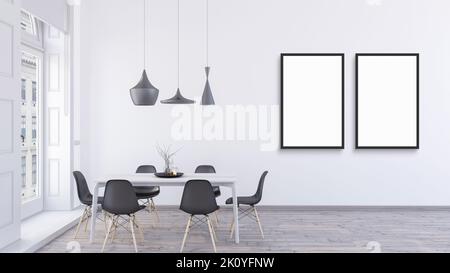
(30, 132)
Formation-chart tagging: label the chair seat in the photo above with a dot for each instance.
(141, 207)
(146, 192)
(245, 200)
(89, 202)
(216, 190)
(201, 212)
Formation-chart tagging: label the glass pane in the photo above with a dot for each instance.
(34, 178)
(31, 66)
(24, 91)
(33, 90)
(23, 130)
(24, 174)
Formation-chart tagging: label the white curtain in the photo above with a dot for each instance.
(53, 12)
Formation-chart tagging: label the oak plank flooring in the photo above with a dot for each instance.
(286, 230)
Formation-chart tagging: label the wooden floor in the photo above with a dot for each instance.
(288, 230)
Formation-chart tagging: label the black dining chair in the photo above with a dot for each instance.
(199, 201)
(216, 189)
(85, 197)
(251, 202)
(209, 169)
(147, 193)
(121, 203)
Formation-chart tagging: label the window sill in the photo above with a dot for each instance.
(40, 229)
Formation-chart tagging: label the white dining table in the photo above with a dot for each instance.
(146, 179)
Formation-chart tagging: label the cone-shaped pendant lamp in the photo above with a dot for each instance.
(178, 98)
(144, 93)
(207, 97)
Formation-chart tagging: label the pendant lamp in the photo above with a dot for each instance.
(144, 93)
(207, 97)
(178, 98)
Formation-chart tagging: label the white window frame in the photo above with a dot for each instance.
(34, 45)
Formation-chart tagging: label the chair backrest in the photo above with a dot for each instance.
(259, 191)
(198, 198)
(146, 169)
(84, 194)
(205, 169)
(120, 198)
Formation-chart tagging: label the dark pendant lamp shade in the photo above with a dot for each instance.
(207, 97)
(144, 93)
(178, 99)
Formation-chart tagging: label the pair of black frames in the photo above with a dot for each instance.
(357, 146)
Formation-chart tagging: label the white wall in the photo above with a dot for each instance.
(247, 37)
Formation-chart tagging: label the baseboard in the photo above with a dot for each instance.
(324, 208)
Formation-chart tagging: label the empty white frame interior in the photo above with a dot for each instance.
(312, 101)
(387, 101)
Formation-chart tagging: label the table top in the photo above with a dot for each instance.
(146, 178)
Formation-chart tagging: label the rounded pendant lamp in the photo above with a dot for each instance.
(207, 97)
(144, 93)
(178, 98)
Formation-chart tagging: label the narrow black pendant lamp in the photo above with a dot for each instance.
(144, 93)
(178, 98)
(207, 97)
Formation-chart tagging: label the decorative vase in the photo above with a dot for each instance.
(168, 167)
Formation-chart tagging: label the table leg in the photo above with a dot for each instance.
(94, 213)
(236, 215)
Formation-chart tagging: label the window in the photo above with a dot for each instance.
(31, 65)
(24, 91)
(33, 47)
(34, 178)
(23, 130)
(34, 131)
(34, 91)
(24, 172)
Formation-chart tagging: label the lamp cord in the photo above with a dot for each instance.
(178, 44)
(207, 33)
(145, 34)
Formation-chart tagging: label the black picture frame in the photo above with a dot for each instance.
(282, 145)
(416, 146)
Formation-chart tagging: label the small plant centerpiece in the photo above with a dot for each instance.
(167, 155)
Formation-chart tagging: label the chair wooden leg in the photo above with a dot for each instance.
(259, 222)
(113, 235)
(132, 232)
(149, 209)
(232, 229)
(105, 220)
(188, 227)
(147, 206)
(211, 234)
(138, 225)
(214, 232)
(88, 215)
(217, 217)
(153, 206)
(79, 223)
(107, 234)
